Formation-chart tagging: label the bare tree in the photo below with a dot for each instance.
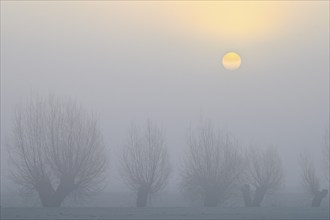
(311, 181)
(145, 163)
(264, 172)
(56, 149)
(212, 165)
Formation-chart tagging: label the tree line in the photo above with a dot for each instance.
(57, 150)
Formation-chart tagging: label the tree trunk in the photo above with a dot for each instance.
(211, 199)
(259, 196)
(247, 195)
(54, 198)
(142, 197)
(318, 197)
(65, 187)
(45, 192)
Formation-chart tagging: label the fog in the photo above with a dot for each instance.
(133, 61)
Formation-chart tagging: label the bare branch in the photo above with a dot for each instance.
(265, 169)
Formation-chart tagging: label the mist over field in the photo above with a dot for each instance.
(116, 109)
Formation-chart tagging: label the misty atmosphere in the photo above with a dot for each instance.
(165, 109)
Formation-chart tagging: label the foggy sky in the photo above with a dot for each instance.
(131, 61)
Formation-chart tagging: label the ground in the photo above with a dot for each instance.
(165, 213)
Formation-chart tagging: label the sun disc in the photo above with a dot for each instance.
(231, 61)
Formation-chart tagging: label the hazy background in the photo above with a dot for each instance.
(129, 61)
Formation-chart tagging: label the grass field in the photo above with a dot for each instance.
(165, 213)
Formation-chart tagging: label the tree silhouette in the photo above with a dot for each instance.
(145, 163)
(264, 172)
(56, 150)
(311, 181)
(212, 165)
